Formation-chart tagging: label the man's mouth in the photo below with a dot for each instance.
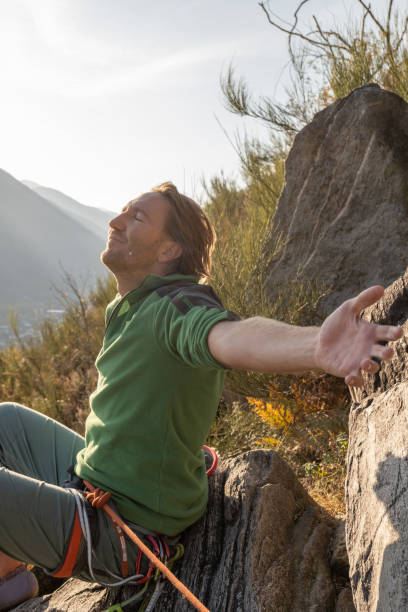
(113, 238)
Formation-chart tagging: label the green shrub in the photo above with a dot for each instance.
(53, 371)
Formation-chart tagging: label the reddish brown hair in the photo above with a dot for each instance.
(190, 227)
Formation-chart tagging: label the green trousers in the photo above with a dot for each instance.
(36, 512)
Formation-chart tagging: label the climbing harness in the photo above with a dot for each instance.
(149, 596)
(73, 551)
(98, 499)
(211, 459)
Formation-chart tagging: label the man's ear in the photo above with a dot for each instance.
(172, 250)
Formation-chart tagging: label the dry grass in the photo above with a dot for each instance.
(327, 494)
(305, 422)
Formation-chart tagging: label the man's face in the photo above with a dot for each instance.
(137, 236)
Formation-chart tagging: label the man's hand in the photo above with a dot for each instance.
(346, 344)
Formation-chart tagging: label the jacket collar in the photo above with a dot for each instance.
(153, 281)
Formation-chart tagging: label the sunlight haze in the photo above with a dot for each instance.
(102, 100)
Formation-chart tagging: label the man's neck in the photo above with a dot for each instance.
(126, 282)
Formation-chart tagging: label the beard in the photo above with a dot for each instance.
(114, 261)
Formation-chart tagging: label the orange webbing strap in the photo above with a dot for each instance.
(94, 498)
(72, 552)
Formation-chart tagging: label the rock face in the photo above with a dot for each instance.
(343, 211)
(377, 480)
(263, 545)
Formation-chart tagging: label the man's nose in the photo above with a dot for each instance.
(118, 222)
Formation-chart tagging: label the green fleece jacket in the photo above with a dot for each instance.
(157, 395)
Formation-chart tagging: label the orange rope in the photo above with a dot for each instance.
(98, 498)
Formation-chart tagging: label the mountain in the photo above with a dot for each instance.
(94, 219)
(39, 240)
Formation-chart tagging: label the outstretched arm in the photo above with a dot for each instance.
(344, 345)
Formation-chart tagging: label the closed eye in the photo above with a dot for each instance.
(137, 213)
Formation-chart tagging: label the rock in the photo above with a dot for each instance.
(263, 545)
(339, 561)
(339, 564)
(377, 479)
(345, 601)
(392, 309)
(73, 596)
(47, 584)
(343, 209)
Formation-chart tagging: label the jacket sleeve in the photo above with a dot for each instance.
(184, 320)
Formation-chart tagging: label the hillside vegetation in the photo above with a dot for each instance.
(303, 418)
(53, 371)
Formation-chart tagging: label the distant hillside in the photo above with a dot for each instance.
(38, 240)
(94, 219)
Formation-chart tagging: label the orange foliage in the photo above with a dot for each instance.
(290, 408)
(285, 407)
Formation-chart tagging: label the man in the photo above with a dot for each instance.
(161, 368)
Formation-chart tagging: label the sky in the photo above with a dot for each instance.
(103, 99)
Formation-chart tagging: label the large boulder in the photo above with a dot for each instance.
(342, 216)
(377, 479)
(263, 545)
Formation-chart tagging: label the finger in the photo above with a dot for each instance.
(388, 333)
(368, 365)
(354, 380)
(381, 352)
(368, 297)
